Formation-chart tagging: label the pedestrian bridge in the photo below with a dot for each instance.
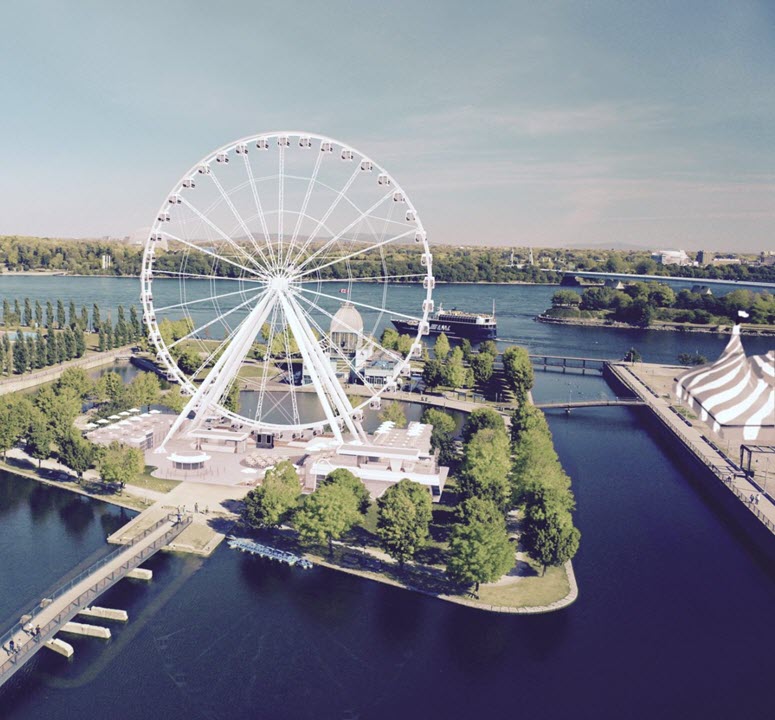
(51, 613)
(590, 403)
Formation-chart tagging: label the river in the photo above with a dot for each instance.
(674, 617)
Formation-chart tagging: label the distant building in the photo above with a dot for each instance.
(725, 261)
(767, 259)
(670, 257)
(704, 257)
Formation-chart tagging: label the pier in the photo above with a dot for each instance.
(53, 613)
(693, 439)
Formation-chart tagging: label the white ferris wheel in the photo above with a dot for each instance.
(267, 276)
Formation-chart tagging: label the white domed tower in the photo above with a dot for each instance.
(347, 330)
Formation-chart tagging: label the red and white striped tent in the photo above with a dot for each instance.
(735, 395)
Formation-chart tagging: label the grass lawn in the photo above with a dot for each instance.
(529, 590)
(146, 480)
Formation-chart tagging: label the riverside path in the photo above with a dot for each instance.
(51, 613)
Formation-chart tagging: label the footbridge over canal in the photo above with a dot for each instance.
(611, 402)
(51, 613)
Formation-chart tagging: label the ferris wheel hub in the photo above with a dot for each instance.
(280, 283)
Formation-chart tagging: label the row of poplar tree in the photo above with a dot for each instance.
(64, 337)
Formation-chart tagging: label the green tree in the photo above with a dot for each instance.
(38, 313)
(21, 358)
(443, 433)
(518, 371)
(11, 425)
(174, 399)
(77, 380)
(393, 412)
(433, 373)
(441, 347)
(27, 321)
(548, 533)
(72, 315)
(144, 389)
(61, 318)
(482, 365)
(389, 339)
(480, 419)
(60, 408)
(566, 298)
(485, 470)
(489, 347)
(120, 465)
(456, 375)
(326, 515)
(96, 324)
(76, 453)
(479, 552)
(189, 360)
(110, 388)
(403, 519)
(49, 315)
(632, 356)
(270, 504)
(344, 478)
(39, 436)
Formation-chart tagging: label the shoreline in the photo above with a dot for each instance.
(766, 331)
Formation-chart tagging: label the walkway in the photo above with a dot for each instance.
(15, 383)
(693, 438)
(52, 612)
(590, 403)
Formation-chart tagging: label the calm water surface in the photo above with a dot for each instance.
(674, 617)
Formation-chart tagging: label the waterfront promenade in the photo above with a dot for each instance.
(651, 383)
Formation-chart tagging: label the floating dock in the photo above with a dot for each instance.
(254, 548)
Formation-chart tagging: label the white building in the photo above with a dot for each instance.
(670, 257)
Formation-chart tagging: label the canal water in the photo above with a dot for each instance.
(674, 617)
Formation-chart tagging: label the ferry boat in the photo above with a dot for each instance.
(455, 324)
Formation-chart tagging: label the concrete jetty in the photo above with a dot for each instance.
(105, 613)
(60, 647)
(650, 383)
(88, 630)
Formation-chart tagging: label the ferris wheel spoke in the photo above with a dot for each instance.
(259, 208)
(221, 345)
(258, 270)
(307, 196)
(292, 375)
(216, 256)
(265, 366)
(359, 304)
(254, 298)
(200, 300)
(328, 212)
(197, 276)
(338, 236)
(366, 338)
(280, 201)
(238, 218)
(356, 253)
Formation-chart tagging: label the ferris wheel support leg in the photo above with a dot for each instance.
(312, 364)
(214, 385)
(327, 373)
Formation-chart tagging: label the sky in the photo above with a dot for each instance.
(645, 124)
